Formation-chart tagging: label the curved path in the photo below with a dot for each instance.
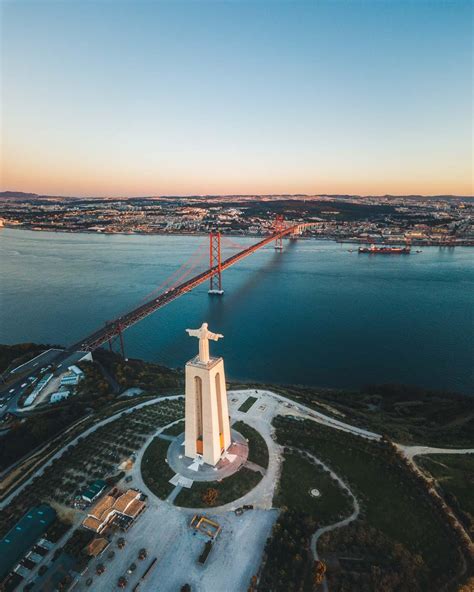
(75, 440)
(280, 405)
(355, 513)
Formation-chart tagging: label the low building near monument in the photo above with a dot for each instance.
(93, 490)
(119, 507)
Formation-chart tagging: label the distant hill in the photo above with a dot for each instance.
(20, 194)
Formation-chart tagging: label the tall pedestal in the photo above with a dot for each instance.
(207, 427)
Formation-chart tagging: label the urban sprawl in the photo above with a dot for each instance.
(435, 220)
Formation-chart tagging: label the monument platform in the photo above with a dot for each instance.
(197, 470)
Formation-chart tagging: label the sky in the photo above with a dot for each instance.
(196, 97)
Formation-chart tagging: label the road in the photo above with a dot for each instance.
(17, 380)
(411, 451)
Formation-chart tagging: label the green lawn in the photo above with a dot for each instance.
(249, 401)
(228, 489)
(407, 414)
(155, 471)
(391, 501)
(299, 476)
(258, 450)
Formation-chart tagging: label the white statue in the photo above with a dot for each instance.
(203, 334)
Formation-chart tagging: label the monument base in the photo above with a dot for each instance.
(198, 470)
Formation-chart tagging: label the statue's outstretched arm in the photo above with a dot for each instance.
(214, 336)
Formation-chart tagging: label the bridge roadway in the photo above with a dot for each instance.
(11, 389)
(114, 328)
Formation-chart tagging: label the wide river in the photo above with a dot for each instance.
(313, 314)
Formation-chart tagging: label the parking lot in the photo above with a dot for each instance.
(165, 533)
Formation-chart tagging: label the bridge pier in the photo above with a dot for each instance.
(114, 331)
(122, 346)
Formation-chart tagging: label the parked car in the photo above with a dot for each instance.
(121, 543)
(132, 568)
(142, 554)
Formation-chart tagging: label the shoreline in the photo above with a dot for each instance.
(351, 241)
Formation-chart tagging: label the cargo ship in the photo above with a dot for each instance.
(385, 250)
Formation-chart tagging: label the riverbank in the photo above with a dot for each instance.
(245, 234)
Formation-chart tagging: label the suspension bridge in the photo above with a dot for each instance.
(180, 283)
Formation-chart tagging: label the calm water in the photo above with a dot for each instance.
(313, 314)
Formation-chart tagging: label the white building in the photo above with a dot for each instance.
(36, 391)
(73, 377)
(59, 396)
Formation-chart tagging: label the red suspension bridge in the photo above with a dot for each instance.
(177, 284)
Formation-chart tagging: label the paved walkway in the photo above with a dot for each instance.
(201, 471)
(411, 451)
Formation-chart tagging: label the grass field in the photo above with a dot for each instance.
(258, 450)
(390, 500)
(249, 401)
(228, 489)
(409, 415)
(299, 476)
(155, 471)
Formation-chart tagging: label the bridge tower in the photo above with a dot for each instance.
(215, 262)
(114, 330)
(278, 226)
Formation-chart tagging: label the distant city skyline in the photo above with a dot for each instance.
(196, 98)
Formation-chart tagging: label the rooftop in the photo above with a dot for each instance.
(23, 536)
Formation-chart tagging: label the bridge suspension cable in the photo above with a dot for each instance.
(115, 328)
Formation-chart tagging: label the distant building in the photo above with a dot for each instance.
(26, 532)
(120, 507)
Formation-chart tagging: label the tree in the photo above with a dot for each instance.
(210, 496)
